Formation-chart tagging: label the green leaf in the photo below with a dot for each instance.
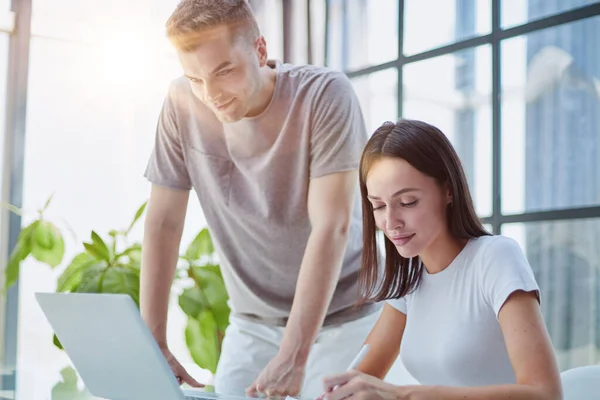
(57, 342)
(202, 245)
(138, 214)
(91, 277)
(48, 245)
(122, 280)
(71, 277)
(48, 202)
(20, 252)
(104, 278)
(210, 281)
(202, 340)
(193, 301)
(99, 243)
(67, 388)
(12, 208)
(97, 248)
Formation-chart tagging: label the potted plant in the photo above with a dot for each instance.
(111, 264)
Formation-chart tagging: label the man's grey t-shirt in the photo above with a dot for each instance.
(252, 179)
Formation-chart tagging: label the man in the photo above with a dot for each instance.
(271, 150)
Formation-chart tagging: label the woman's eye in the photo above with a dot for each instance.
(375, 208)
(411, 204)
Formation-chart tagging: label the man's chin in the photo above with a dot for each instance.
(227, 117)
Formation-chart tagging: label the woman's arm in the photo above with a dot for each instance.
(529, 349)
(384, 342)
(531, 356)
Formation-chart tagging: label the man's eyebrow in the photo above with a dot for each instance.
(219, 67)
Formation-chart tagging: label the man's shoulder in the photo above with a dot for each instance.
(317, 77)
(179, 87)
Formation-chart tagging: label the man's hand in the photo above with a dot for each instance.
(281, 377)
(180, 372)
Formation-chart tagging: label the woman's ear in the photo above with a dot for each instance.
(449, 197)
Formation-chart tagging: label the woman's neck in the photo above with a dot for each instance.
(440, 254)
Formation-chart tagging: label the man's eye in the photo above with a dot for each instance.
(223, 73)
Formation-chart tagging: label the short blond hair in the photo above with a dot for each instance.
(191, 17)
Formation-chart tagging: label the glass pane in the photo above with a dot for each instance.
(90, 130)
(3, 213)
(269, 16)
(362, 33)
(4, 5)
(3, 81)
(565, 258)
(452, 21)
(104, 12)
(378, 96)
(517, 12)
(453, 92)
(551, 119)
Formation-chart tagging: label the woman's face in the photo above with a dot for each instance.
(408, 206)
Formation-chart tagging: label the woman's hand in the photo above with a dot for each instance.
(360, 386)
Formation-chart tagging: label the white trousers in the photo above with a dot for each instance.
(248, 347)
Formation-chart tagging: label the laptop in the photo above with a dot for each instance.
(113, 350)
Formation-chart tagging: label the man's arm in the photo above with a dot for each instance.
(162, 235)
(330, 202)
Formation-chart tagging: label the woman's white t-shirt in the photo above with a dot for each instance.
(452, 335)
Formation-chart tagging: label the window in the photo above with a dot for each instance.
(377, 94)
(430, 23)
(551, 119)
(453, 92)
(516, 12)
(90, 130)
(3, 213)
(522, 108)
(566, 263)
(362, 33)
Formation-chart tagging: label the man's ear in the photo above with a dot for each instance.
(261, 48)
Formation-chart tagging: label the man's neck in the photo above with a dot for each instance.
(268, 77)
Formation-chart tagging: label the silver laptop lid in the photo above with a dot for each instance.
(110, 346)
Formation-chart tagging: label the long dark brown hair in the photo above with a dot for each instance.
(428, 150)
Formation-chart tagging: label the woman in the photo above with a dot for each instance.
(462, 305)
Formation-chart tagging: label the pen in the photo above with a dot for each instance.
(359, 357)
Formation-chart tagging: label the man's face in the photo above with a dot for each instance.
(224, 72)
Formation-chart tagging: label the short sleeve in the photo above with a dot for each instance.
(505, 270)
(398, 304)
(166, 166)
(338, 133)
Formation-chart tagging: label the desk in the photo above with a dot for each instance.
(71, 387)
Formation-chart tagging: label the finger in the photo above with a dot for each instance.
(352, 388)
(331, 382)
(274, 391)
(185, 377)
(252, 390)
